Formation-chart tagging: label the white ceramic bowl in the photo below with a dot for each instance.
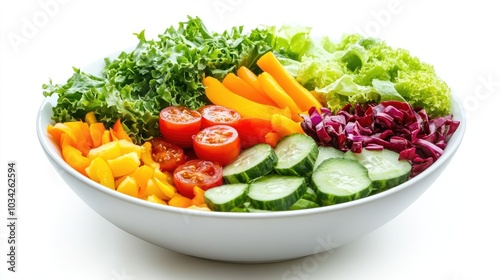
(246, 237)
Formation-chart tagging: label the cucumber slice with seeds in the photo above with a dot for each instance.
(276, 193)
(338, 180)
(384, 167)
(226, 197)
(297, 154)
(252, 163)
(326, 153)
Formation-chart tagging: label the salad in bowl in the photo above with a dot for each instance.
(243, 129)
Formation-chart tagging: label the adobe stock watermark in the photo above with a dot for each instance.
(486, 88)
(31, 25)
(311, 263)
(381, 18)
(222, 7)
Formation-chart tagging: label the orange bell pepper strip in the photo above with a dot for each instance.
(199, 196)
(180, 201)
(242, 88)
(248, 76)
(81, 132)
(218, 94)
(63, 128)
(119, 131)
(278, 95)
(302, 97)
(73, 156)
(55, 134)
(106, 137)
(96, 131)
(272, 138)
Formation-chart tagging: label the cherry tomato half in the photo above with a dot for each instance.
(178, 124)
(214, 115)
(219, 143)
(197, 172)
(168, 155)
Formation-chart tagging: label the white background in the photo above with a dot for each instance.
(450, 233)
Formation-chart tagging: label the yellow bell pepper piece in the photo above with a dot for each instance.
(100, 172)
(129, 147)
(152, 188)
(128, 186)
(155, 199)
(124, 164)
(142, 176)
(90, 118)
(146, 157)
(106, 151)
(166, 188)
(285, 126)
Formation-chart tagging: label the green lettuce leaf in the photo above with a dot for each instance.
(370, 71)
(158, 73)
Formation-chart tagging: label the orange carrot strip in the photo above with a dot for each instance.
(302, 97)
(218, 94)
(242, 88)
(278, 94)
(248, 76)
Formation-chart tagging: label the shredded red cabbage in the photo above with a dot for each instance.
(392, 125)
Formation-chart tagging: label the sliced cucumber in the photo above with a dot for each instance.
(384, 167)
(248, 208)
(252, 163)
(310, 194)
(338, 180)
(303, 204)
(296, 155)
(226, 197)
(276, 193)
(326, 152)
(242, 208)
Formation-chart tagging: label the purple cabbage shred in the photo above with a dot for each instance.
(392, 125)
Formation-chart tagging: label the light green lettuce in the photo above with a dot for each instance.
(359, 70)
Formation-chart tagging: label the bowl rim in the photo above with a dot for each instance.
(45, 141)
